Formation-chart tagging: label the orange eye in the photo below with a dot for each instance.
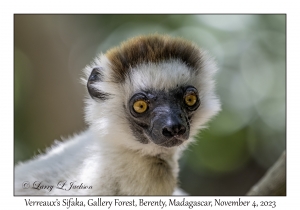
(190, 99)
(140, 106)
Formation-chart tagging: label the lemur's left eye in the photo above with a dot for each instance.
(190, 99)
(140, 106)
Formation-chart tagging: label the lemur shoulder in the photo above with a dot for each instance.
(147, 99)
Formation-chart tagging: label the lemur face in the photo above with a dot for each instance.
(160, 86)
(163, 117)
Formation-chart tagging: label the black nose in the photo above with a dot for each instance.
(173, 130)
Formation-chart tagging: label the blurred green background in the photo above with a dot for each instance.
(241, 143)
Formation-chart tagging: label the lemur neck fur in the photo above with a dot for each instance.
(156, 169)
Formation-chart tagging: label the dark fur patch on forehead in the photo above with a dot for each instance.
(152, 48)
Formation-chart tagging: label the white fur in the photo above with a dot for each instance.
(107, 156)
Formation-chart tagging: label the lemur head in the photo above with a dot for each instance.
(152, 90)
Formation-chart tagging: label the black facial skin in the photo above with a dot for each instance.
(166, 122)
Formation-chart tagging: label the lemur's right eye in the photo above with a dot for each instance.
(140, 106)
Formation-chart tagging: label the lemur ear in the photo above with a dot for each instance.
(96, 76)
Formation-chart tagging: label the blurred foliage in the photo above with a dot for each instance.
(241, 143)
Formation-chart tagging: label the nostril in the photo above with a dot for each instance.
(173, 130)
(167, 132)
(181, 130)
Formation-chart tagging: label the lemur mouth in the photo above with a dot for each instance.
(172, 142)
